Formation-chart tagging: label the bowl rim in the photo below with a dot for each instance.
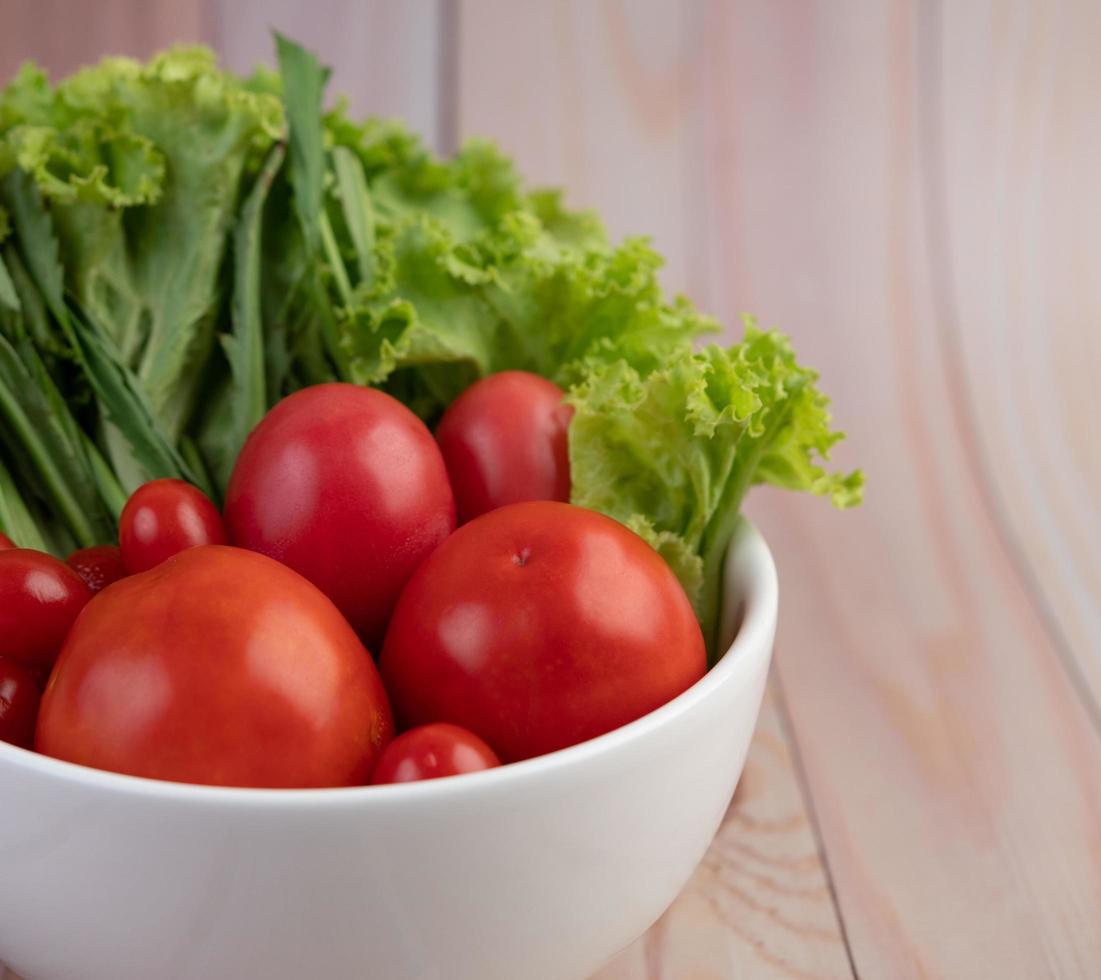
(751, 599)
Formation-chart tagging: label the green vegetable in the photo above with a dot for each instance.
(140, 167)
(671, 453)
(180, 248)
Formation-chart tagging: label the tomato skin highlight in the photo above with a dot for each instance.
(19, 697)
(505, 440)
(6, 543)
(432, 752)
(40, 597)
(346, 486)
(222, 667)
(163, 518)
(538, 626)
(99, 566)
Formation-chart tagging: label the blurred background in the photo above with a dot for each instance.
(910, 189)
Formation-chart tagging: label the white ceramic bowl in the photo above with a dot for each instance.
(540, 870)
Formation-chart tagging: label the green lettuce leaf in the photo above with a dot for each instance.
(672, 451)
(181, 248)
(141, 167)
(443, 312)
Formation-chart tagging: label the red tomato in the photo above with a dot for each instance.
(346, 486)
(5, 542)
(19, 695)
(40, 597)
(99, 566)
(537, 626)
(504, 440)
(163, 518)
(219, 666)
(432, 751)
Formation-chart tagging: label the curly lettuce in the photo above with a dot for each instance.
(180, 248)
(672, 452)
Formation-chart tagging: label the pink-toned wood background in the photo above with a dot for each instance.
(910, 190)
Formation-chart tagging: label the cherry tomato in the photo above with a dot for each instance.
(346, 486)
(219, 666)
(5, 542)
(430, 752)
(99, 566)
(40, 597)
(537, 626)
(163, 518)
(504, 440)
(19, 696)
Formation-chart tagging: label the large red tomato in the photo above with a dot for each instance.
(5, 542)
(39, 599)
(505, 440)
(537, 626)
(346, 486)
(218, 666)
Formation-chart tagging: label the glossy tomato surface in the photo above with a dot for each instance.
(163, 518)
(431, 752)
(538, 626)
(218, 666)
(99, 566)
(504, 440)
(346, 486)
(40, 597)
(19, 696)
(5, 542)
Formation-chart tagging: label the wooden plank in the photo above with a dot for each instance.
(386, 55)
(62, 36)
(759, 905)
(955, 771)
(1014, 144)
(595, 97)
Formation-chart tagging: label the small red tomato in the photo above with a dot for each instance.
(538, 626)
(505, 440)
(19, 696)
(40, 597)
(5, 542)
(432, 751)
(346, 486)
(219, 666)
(163, 518)
(100, 566)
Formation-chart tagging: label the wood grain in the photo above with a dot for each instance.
(950, 757)
(63, 35)
(955, 770)
(759, 905)
(386, 56)
(1015, 138)
(599, 98)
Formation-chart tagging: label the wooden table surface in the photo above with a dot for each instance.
(910, 189)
